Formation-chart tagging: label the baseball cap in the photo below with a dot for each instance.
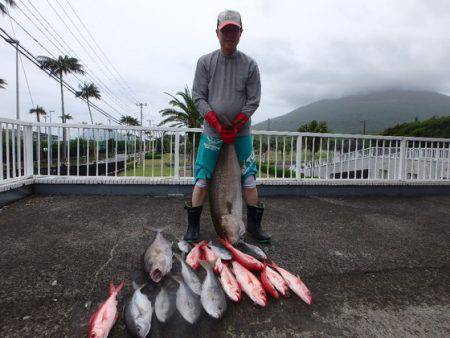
(229, 17)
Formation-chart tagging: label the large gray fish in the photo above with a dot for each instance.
(188, 303)
(164, 305)
(212, 297)
(189, 276)
(158, 257)
(225, 196)
(138, 313)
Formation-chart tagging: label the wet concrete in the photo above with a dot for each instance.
(377, 266)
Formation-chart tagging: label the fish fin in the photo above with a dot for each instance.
(176, 278)
(114, 289)
(154, 229)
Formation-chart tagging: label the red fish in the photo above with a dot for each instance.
(295, 284)
(210, 256)
(229, 283)
(277, 281)
(247, 261)
(218, 266)
(267, 284)
(195, 255)
(250, 284)
(104, 318)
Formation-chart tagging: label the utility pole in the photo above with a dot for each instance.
(16, 42)
(364, 127)
(142, 158)
(268, 124)
(141, 105)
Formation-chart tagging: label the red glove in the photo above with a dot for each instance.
(213, 121)
(228, 135)
(240, 120)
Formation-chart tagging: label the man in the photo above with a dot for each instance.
(226, 92)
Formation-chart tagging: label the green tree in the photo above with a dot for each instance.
(3, 83)
(314, 127)
(88, 90)
(184, 112)
(129, 120)
(38, 111)
(4, 4)
(59, 67)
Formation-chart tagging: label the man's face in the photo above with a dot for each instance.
(229, 37)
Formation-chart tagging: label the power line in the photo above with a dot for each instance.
(34, 60)
(63, 50)
(101, 51)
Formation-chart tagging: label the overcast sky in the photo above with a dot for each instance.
(306, 51)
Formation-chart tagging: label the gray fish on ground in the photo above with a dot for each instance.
(225, 195)
(189, 276)
(252, 250)
(164, 305)
(188, 303)
(212, 297)
(138, 313)
(158, 256)
(184, 246)
(220, 251)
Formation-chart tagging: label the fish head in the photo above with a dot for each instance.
(97, 332)
(141, 328)
(160, 268)
(233, 228)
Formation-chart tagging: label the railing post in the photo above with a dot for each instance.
(298, 157)
(177, 155)
(28, 150)
(402, 162)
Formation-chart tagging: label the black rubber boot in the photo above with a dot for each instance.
(193, 230)
(254, 216)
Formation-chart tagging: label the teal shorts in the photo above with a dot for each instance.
(208, 153)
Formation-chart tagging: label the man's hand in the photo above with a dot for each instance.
(240, 120)
(228, 135)
(213, 121)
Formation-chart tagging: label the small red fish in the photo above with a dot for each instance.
(104, 318)
(229, 283)
(267, 284)
(250, 284)
(277, 281)
(295, 284)
(247, 261)
(195, 255)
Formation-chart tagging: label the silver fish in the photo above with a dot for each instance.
(158, 256)
(138, 313)
(190, 277)
(188, 303)
(252, 250)
(212, 297)
(221, 252)
(164, 305)
(225, 195)
(184, 246)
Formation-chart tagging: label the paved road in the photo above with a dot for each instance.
(377, 266)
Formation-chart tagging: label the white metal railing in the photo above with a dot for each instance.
(44, 149)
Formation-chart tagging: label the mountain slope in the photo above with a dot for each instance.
(380, 110)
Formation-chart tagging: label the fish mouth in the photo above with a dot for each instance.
(156, 275)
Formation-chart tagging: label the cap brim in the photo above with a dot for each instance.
(228, 22)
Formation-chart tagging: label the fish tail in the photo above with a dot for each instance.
(114, 289)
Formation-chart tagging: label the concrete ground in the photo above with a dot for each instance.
(376, 266)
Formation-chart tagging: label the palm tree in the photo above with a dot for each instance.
(38, 111)
(88, 90)
(314, 127)
(3, 83)
(4, 3)
(188, 114)
(61, 66)
(66, 117)
(129, 120)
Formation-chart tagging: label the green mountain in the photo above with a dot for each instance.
(438, 127)
(380, 110)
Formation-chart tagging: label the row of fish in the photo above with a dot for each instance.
(235, 268)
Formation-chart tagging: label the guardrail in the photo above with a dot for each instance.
(42, 149)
